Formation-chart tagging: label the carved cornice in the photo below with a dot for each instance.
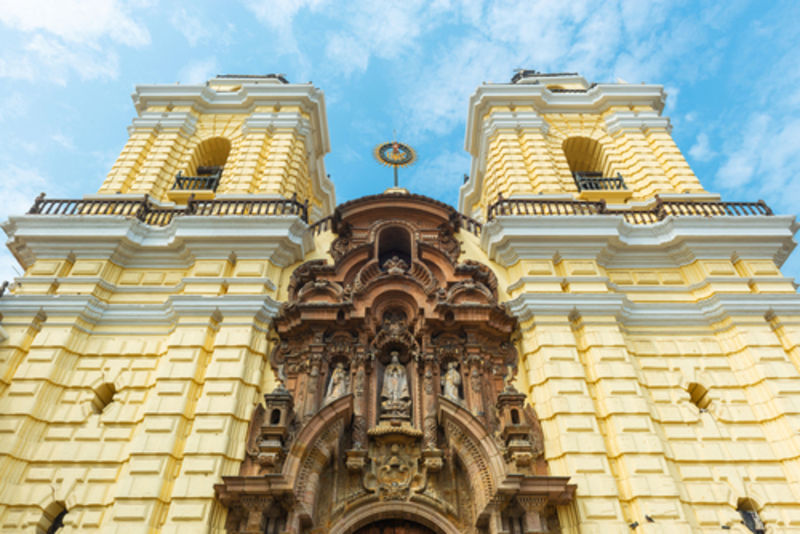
(130, 243)
(614, 243)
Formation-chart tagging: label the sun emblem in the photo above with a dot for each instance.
(395, 154)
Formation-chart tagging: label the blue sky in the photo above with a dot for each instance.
(67, 69)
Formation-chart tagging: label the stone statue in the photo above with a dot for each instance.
(281, 377)
(451, 381)
(395, 398)
(338, 385)
(508, 380)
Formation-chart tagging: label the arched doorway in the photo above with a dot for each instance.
(394, 526)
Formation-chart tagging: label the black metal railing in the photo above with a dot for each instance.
(463, 221)
(148, 212)
(322, 225)
(208, 182)
(595, 181)
(469, 224)
(661, 209)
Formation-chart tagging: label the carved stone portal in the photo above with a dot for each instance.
(395, 396)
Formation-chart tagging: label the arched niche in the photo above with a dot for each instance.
(586, 155)
(209, 157)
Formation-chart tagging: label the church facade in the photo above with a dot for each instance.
(591, 342)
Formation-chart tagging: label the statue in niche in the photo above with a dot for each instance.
(451, 381)
(338, 385)
(395, 397)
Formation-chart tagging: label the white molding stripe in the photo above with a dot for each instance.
(70, 310)
(145, 289)
(616, 244)
(281, 239)
(183, 121)
(643, 121)
(704, 312)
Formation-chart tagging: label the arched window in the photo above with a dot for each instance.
(206, 165)
(275, 417)
(394, 241)
(589, 165)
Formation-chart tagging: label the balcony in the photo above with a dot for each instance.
(202, 186)
(661, 210)
(595, 186)
(151, 213)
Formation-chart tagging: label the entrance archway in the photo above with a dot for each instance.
(394, 526)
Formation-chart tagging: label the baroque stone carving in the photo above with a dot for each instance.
(338, 385)
(451, 382)
(394, 365)
(395, 398)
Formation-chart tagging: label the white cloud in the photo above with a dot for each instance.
(701, 150)
(764, 161)
(347, 52)
(198, 71)
(190, 26)
(54, 39)
(18, 188)
(279, 13)
(54, 60)
(13, 105)
(438, 177)
(63, 140)
(75, 21)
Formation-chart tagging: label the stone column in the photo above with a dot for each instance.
(255, 507)
(429, 404)
(533, 506)
(359, 400)
(312, 385)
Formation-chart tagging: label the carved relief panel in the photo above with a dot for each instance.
(395, 364)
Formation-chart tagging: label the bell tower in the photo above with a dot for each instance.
(236, 135)
(556, 135)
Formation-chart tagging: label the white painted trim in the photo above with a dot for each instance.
(283, 240)
(183, 121)
(614, 243)
(643, 121)
(62, 308)
(145, 289)
(704, 312)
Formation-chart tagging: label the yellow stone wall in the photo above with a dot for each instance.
(186, 382)
(185, 387)
(606, 368)
(613, 394)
